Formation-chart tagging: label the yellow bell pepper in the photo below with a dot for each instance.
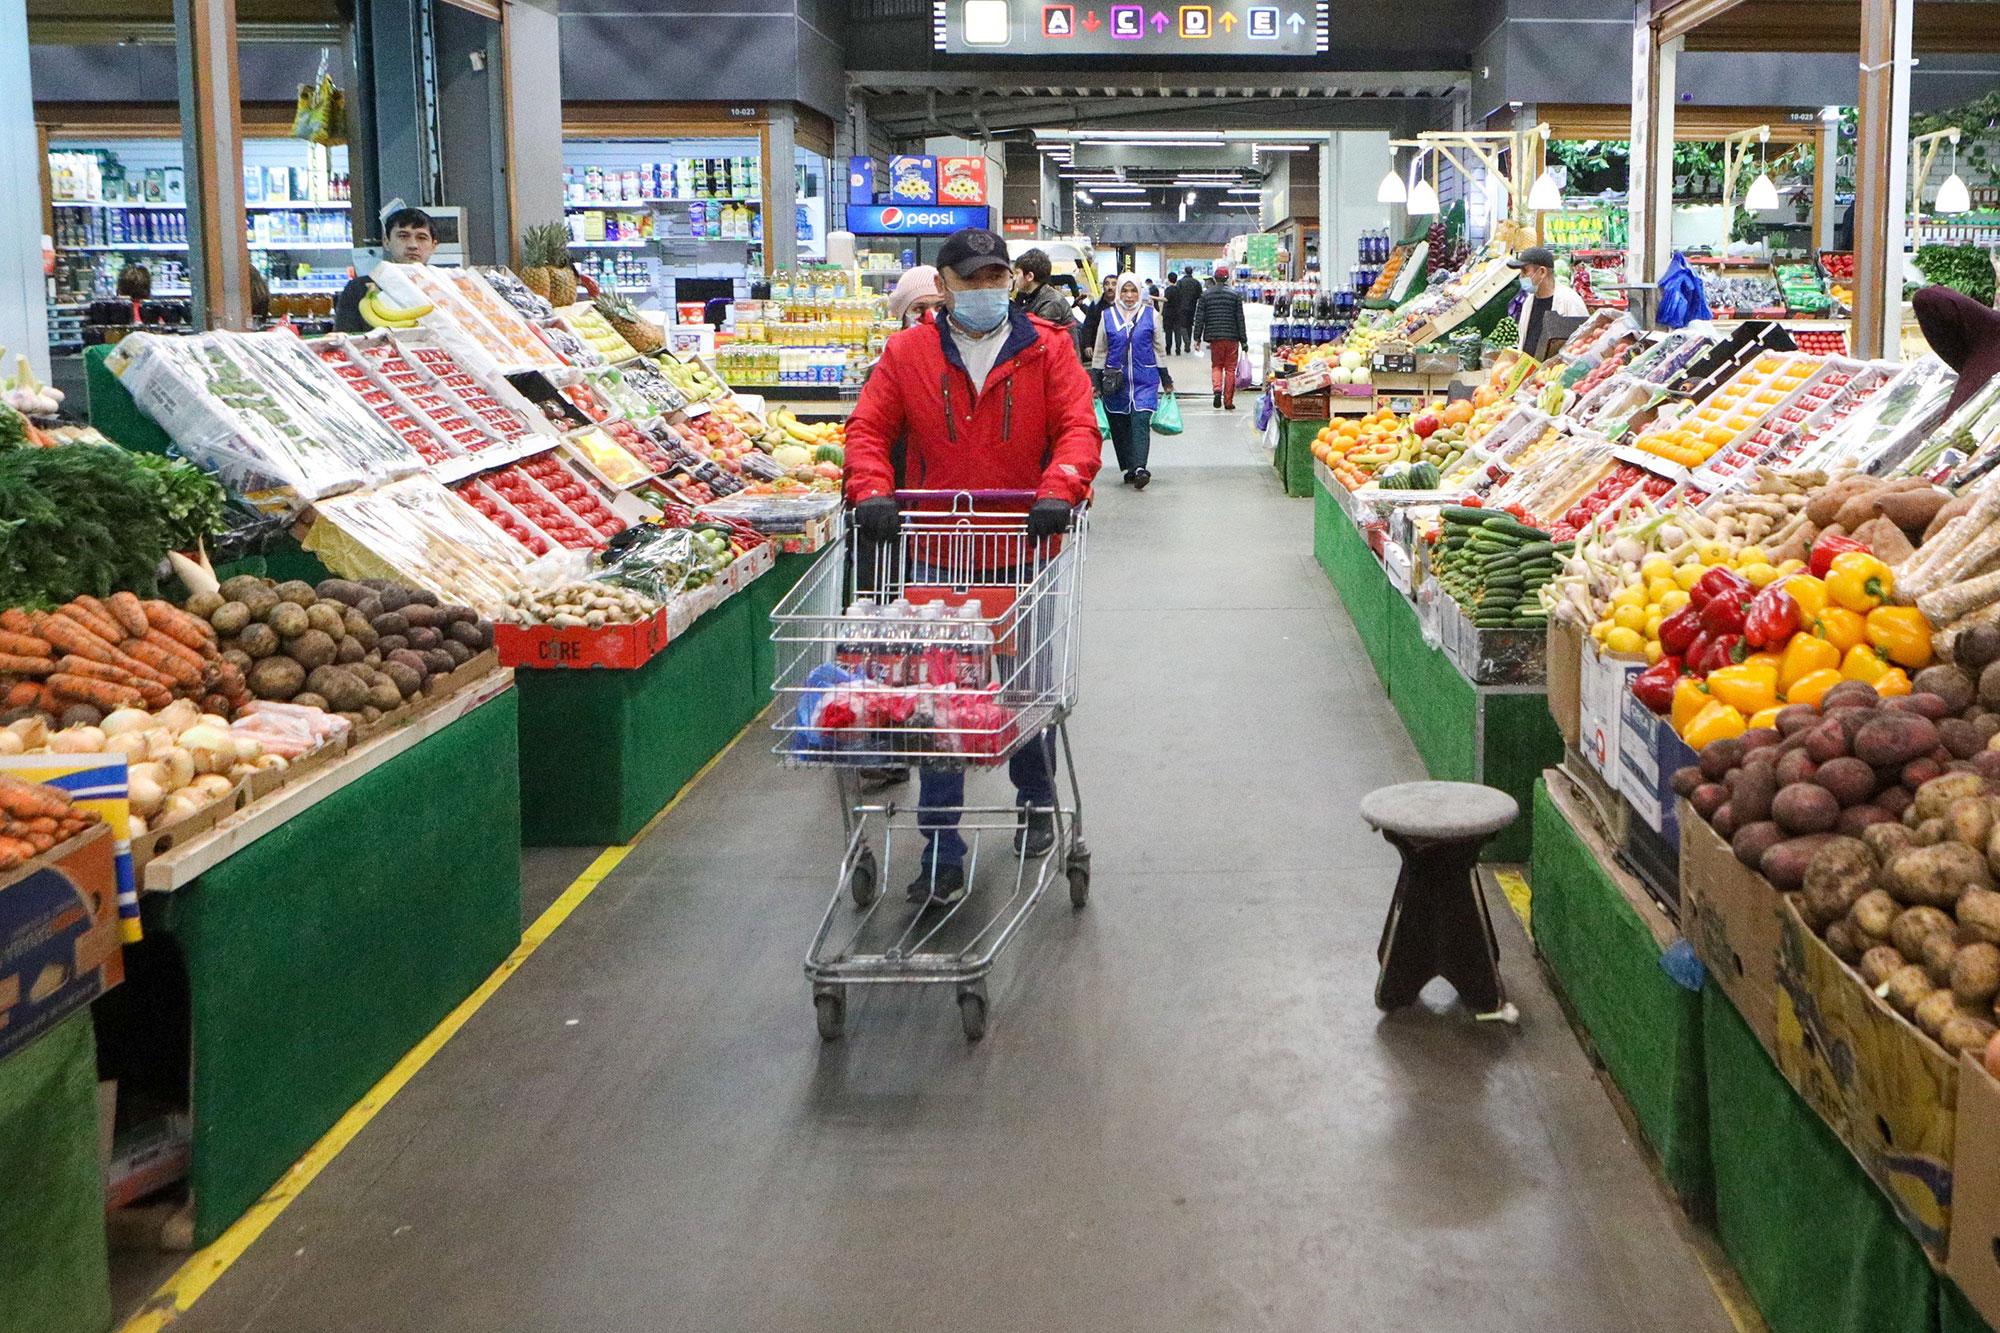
(1892, 683)
(1812, 687)
(1766, 720)
(1716, 722)
(1767, 658)
(1689, 699)
(1803, 655)
(1841, 628)
(1748, 687)
(1902, 633)
(1859, 581)
(1810, 594)
(1864, 664)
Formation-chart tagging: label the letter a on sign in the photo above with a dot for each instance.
(1058, 20)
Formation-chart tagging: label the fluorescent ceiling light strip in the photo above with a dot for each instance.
(1120, 189)
(1251, 190)
(1281, 147)
(1141, 136)
(1124, 203)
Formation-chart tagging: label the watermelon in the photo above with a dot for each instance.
(830, 453)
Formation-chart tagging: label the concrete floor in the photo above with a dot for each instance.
(1187, 1114)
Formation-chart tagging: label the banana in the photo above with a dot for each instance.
(399, 314)
(380, 317)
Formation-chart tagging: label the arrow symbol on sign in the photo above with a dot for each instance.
(1090, 23)
(1296, 22)
(1228, 21)
(1159, 21)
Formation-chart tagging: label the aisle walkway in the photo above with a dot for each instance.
(1187, 1115)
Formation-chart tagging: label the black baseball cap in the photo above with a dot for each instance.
(1534, 254)
(967, 251)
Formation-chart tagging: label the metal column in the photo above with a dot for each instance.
(212, 148)
(1651, 199)
(781, 190)
(1881, 176)
(24, 311)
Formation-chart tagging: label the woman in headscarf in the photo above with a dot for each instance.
(1131, 348)
(915, 295)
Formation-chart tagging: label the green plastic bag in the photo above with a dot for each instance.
(1167, 416)
(1103, 422)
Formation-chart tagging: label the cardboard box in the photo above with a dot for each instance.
(612, 646)
(59, 946)
(1884, 1088)
(1564, 652)
(1973, 1261)
(1729, 914)
(1648, 754)
(1603, 685)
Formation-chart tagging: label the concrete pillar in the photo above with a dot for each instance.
(1881, 176)
(781, 190)
(212, 154)
(532, 58)
(1651, 198)
(1826, 214)
(24, 311)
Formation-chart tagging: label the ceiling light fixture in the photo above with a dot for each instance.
(1423, 199)
(1391, 190)
(1762, 196)
(1247, 190)
(1952, 196)
(1545, 196)
(1121, 189)
(1124, 203)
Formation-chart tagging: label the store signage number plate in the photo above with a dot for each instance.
(1091, 27)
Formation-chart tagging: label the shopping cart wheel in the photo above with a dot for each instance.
(830, 1006)
(864, 880)
(1079, 878)
(972, 1012)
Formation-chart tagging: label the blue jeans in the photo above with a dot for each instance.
(940, 791)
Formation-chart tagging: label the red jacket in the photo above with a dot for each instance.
(1032, 426)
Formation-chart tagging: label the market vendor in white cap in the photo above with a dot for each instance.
(1537, 265)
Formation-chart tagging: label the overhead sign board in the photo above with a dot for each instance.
(913, 220)
(1086, 27)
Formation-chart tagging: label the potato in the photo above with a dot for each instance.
(276, 678)
(1927, 706)
(1987, 765)
(1858, 819)
(1804, 807)
(1975, 974)
(1849, 779)
(1826, 741)
(1717, 758)
(1935, 797)
(1961, 737)
(326, 617)
(1935, 956)
(1847, 943)
(1706, 799)
(258, 640)
(1785, 864)
(1965, 1032)
(289, 619)
(1977, 647)
(1797, 766)
(1978, 912)
(1934, 1011)
(1910, 927)
(1989, 681)
(229, 618)
(1723, 821)
(1970, 819)
(1849, 694)
(1685, 780)
(1936, 875)
(1874, 912)
(1753, 840)
(1890, 739)
(1796, 718)
(314, 648)
(1907, 987)
(1952, 684)
(1840, 872)
(1879, 964)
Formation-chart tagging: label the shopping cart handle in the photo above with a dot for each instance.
(1001, 497)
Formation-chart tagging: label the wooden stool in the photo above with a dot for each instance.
(1438, 925)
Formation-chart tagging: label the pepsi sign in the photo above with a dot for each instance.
(919, 220)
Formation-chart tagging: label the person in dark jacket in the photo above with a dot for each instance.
(1036, 294)
(1218, 321)
(1093, 316)
(1182, 292)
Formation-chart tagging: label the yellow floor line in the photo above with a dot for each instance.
(180, 1291)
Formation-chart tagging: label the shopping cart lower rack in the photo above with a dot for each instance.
(951, 648)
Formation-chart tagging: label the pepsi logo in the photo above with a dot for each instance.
(892, 217)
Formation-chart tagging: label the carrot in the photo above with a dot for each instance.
(127, 611)
(30, 800)
(100, 693)
(16, 621)
(23, 645)
(25, 695)
(91, 614)
(157, 694)
(158, 658)
(166, 643)
(191, 630)
(73, 637)
(15, 664)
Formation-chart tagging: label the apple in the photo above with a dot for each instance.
(1425, 426)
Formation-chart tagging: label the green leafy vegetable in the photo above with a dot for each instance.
(194, 500)
(81, 518)
(1963, 268)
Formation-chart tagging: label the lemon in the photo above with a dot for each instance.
(1629, 597)
(1656, 589)
(1629, 617)
(1600, 629)
(1622, 640)
(1790, 567)
(1654, 652)
(1760, 575)
(1688, 575)
(1673, 601)
(1653, 620)
(1713, 553)
(1751, 555)
(1656, 567)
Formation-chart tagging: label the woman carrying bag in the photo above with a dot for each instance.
(1131, 347)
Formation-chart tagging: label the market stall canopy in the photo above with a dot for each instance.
(1942, 27)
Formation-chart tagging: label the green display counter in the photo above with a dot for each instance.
(1602, 938)
(1356, 576)
(607, 749)
(319, 954)
(764, 596)
(1293, 457)
(53, 1272)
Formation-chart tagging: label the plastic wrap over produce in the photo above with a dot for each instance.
(1888, 429)
(260, 412)
(656, 562)
(420, 533)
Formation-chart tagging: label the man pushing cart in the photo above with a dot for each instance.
(943, 633)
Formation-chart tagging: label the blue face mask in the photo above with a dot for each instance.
(980, 309)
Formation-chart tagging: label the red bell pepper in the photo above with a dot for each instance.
(1679, 631)
(1828, 549)
(1772, 620)
(1723, 650)
(1697, 653)
(1654, 687)
(1718, 582)
(1724, 613)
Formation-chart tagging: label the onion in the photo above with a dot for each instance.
(78, 740)
(122, 720)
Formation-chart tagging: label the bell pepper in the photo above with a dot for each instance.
(1859, 581)
(1679, 631)
(1902, 633)
(1812, 687)
(1840, 627)
(1766, 720)
(1809, 593)
(1654, 687)
(1772, 620)
(1722, 651)
(1690, 697)
(1864, 663)
(1748, 687)
(1803, 656)
(1830, 548)
(1892, 683)
(1716, 722)
(1719, 582)
(1725, 613)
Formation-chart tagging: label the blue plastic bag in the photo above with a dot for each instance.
(1265, 408)
(1682, 300)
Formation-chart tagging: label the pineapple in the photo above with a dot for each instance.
(543, 250)
(621, 316)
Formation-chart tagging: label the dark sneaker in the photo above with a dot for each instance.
(875, 779)
(1036, 835)
(943, 885)
(1128, 478)
(1218, 400)
(1140, 476)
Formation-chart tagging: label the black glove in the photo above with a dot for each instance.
(1047, 518)
(879, 519)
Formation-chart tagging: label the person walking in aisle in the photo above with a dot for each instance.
(1181, 299)
(987, 398)
(1037, 295)
(1131, 349)
(1218, 321)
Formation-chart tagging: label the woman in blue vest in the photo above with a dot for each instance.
(1132, 350)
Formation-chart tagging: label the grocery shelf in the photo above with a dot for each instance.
(608, 245)
(118, 247)
(303, 245)
(307, 205)
(109, 203)
(662, 199)
(313, 205)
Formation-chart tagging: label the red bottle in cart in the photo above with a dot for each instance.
(851, 653)
(937, 655)
(894, 644)
(975, 649)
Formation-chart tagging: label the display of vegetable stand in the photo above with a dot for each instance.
(55, 1277)
(1293, 457)
(327, 928)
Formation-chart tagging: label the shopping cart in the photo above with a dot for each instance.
(954, 645)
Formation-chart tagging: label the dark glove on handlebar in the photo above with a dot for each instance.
(879, 519)
(1047, 518)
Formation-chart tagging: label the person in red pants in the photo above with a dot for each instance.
(1218, 321)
